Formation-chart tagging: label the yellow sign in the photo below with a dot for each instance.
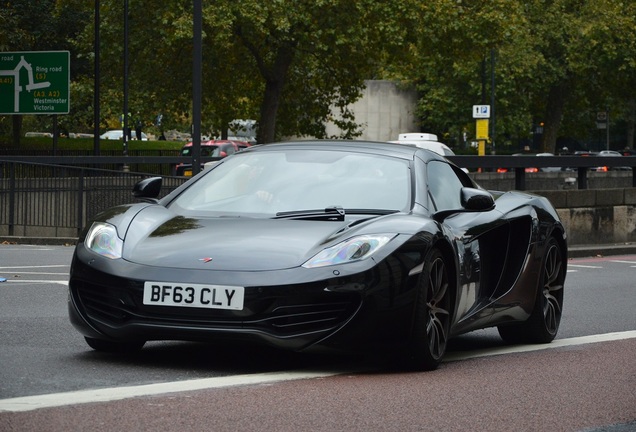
(482, 129)
(481, 150)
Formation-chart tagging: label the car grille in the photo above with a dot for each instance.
(284, 311)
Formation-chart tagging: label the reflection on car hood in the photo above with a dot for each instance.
(159, 237)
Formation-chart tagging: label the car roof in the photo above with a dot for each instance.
(404, 151)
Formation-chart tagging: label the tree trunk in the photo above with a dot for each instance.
(553, 116)
(269, 109)
(274, 83)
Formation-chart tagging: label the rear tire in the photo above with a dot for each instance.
(432, 315)
(543, 324)
(114, 347)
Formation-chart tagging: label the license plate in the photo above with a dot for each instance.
(187, 173)
(194, 295)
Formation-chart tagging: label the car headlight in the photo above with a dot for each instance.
(353, 249)
(102, 239)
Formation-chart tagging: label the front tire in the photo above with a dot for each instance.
(543, 324)
(432, 315)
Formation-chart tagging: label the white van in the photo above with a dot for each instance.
(425, 141)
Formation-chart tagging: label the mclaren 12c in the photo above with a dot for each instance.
(322, 245)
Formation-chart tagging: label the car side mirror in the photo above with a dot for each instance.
(148, 189)
(472, 200)
(476, 199)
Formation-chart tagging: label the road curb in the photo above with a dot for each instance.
(585, 251)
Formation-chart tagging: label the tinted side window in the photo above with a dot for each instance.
(443, 186)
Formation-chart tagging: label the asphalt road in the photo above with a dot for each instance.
(51, 381)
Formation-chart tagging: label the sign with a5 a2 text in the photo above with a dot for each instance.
(34, 82)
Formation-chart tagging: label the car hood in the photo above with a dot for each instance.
(159, 237)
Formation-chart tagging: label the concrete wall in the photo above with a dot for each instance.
(596, 216)
(384, 111)
(605, 213)
(562, 180)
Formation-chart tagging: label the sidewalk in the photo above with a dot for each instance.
(583, 251)
(574, 251)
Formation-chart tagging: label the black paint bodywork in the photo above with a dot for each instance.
(495, 257)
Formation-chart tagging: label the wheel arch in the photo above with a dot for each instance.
(450, 258)
(559, 234)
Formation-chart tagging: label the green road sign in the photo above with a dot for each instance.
(34, 82)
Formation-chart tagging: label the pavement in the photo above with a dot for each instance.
(599, 250)
(574, 251)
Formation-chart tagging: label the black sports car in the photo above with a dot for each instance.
(343, 245)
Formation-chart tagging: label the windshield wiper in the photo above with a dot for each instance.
(333, 213)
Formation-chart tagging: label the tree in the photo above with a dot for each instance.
(311, 56)
(448, 60)
(291, 63)
(606, 57)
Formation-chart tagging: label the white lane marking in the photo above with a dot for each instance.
(584, 266)
(33, 267)
(33, 248)
(30, 403)
(41, 273)
(623, 262)
(558, 343)
(23, 281)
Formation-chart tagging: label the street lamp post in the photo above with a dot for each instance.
(197, 72)
(96, 110)
(125, 124)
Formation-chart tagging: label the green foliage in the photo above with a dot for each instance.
(291, 63)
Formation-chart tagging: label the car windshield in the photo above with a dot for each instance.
(272, 182)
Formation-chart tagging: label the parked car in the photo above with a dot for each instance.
(38, 134)
(80, 135)
(610, 153)
(209, 149)
(628, 152)
(322, 245)
(533, 169)
(118, 134)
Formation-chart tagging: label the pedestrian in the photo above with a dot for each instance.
(138, 126)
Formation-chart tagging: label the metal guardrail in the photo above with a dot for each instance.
(517, 163)
(578, 164)
(61, 196)
(163, 165)
(33, 192)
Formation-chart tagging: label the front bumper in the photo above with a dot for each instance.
(280, 309)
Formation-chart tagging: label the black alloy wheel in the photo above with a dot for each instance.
(432, 315)
(543, 324)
